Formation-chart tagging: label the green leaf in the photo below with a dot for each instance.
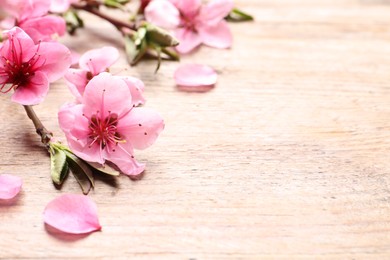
(104, 169)
(59, 166)
(237, 15)
(81, 172)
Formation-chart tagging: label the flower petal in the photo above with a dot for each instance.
(22, 9)
(188, 39)
(43, 28)
(72, 213)
(136, 88)
(141, 127)
(67, 116)
(33, 92)
(215, 11)
(23, 41)
(76, 80)
(57, 59)
(195, 76)
(188, 8)
(162, 13)
(98, 60)
(10, 186)
(122, 156)
(76, 129)
(217, 36)
(106, 93)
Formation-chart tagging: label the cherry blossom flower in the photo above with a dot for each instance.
(92, 63)
(10, 186)
(28, 68)
(107, 127)
(33, 18)
(72, 213)
(192, 22)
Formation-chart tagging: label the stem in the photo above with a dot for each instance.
(41, 129)
(117, 23)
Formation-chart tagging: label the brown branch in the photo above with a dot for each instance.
(119, 24)
(45, 134)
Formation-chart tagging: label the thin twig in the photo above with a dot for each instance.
(117, 23)
(45, 134)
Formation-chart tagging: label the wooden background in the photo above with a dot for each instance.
(287, 157)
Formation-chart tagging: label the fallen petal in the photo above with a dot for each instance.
(195, 77)
(72, 213)
(10, 186)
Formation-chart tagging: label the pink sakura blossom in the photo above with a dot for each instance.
(10, 186)
(28, 68)
(72, 213)
(107, 127)
(192, 22)
(195, 77)
(94, 62)
(33, 18)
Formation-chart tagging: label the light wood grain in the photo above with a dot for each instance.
(288, 157)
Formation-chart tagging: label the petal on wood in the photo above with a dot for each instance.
(72, 213)
(195, 77)
(10, 186)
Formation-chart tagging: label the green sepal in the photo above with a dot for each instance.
(158, 50)
(160, 37)
(152, 40)
(171, 53)
(73, 21)
(237, 15)
(106, 169)
(81, 172)
(134, 51)
(119, 4)
(58, 165)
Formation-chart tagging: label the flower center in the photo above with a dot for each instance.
(104, 132)
(14, 72)
(188, 21)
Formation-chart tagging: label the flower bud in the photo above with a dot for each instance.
(237, 15)
(159, 36)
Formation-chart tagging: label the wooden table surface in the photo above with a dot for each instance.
(287, 157)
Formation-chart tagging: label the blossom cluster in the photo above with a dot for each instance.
(106, 124)
(107, 119)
